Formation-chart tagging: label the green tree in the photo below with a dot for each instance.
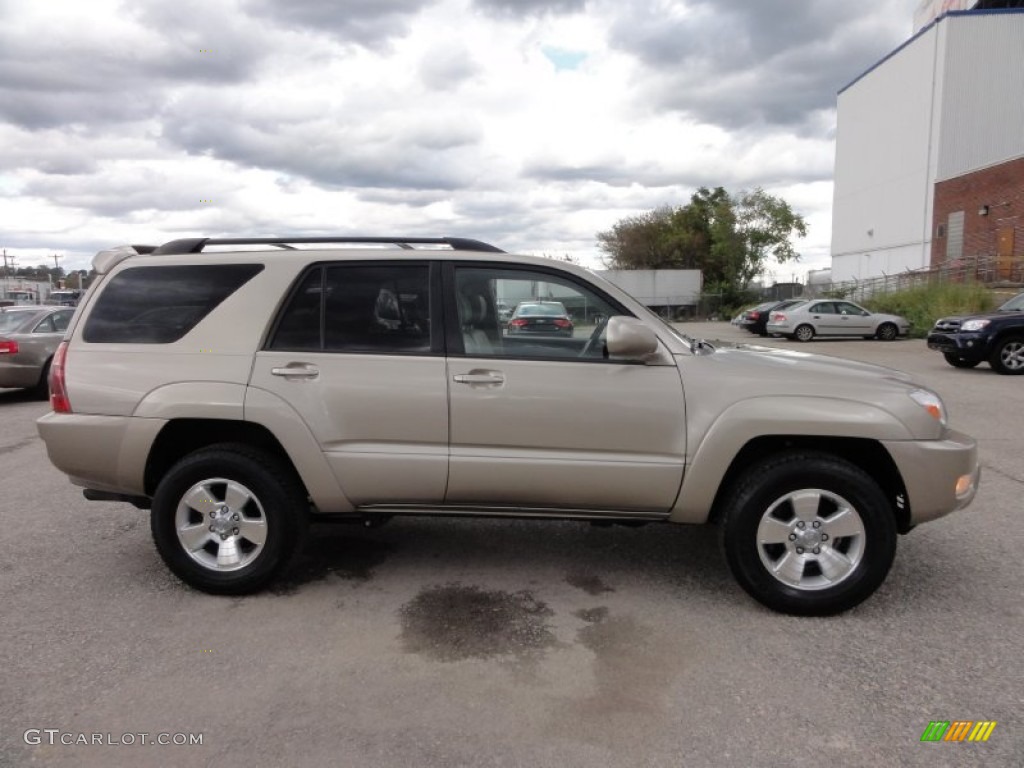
(730, 238)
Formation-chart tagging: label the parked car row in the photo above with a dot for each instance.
(803, 319)
(28, 338)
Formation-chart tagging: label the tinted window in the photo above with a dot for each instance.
(359, 308)
(159, 305)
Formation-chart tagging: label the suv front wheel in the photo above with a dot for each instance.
(228, 519)
(808, 534)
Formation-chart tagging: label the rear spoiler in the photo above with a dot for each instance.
(106, 260)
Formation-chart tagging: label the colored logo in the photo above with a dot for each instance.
(958, 730)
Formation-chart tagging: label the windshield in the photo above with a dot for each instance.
(1013, 305)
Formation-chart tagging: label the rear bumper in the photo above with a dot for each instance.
(18, 375)
(931, 470)
(105, 453)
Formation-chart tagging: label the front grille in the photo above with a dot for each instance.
(947, 326)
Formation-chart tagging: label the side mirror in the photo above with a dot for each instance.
(629, 339)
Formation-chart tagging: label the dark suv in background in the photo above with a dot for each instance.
(996, 338)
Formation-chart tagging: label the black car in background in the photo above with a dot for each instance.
(755, 319)
(547, 317)
(996, 337)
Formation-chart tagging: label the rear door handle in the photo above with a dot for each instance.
(479, 377)
(297, 371)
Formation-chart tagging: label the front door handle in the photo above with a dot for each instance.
(479, 377)
(297, 371)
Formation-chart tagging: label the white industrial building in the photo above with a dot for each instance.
(930, 146)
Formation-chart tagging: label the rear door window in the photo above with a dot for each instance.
(379, 308)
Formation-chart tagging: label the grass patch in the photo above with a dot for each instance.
(922, 306)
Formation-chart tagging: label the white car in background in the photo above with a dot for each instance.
(834, 317)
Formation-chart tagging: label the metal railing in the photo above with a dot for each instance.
(992, 270)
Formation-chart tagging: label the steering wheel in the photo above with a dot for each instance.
(594, 339)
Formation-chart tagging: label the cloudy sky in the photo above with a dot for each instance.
(531, 124)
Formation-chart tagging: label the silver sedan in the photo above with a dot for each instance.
(832, 317)
(28, 338)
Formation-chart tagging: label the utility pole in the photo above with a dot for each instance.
(55, 278)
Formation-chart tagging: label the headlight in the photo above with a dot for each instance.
(931, 403)
(974, 325)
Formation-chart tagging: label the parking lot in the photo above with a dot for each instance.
(511, 643)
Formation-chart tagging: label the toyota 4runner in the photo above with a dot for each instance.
(240, 388)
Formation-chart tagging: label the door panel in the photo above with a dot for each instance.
(381, 421)
(567, 428)
(356, 353)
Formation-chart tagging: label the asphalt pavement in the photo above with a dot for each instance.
(510, 643)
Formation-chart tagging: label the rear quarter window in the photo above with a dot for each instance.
(159, 305)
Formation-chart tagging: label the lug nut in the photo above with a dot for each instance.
(223, 537)
(235, 517)
(824, 537)
(212, 529)
(213, 515)
(801, 524)
(817, 550)
(817, 524)
(234, 531)
(792, 537)
(799, 550)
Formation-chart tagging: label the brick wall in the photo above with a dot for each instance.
(999, 233)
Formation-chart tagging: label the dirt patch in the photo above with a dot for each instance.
(589, 583)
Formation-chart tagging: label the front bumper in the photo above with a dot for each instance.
(968, 346)
(941, 476)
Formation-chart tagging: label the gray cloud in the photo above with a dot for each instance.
(446, 67)
(387, 151)
(735, 63)
(97, 77)
(518, 8)
(363, 22)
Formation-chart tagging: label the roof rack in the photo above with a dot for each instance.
(197, 244)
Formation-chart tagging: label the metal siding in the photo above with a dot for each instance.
(884, 163)
(657, 287)
(982, 114)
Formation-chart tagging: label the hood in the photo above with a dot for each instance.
(995, 314)
(802, 370)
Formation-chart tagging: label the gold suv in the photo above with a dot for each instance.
(240, 388)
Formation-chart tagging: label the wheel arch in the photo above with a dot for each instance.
(865, 453)
(180, 437)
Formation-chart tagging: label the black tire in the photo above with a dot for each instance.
(887, 332)
(859, 551)
(41, 390)
(1008, 356)
(275, 510)
(959, 362)
(803, 332)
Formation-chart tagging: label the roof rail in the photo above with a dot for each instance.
(197, 244)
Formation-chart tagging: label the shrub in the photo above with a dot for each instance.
(923, 305)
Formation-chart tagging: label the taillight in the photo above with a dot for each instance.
(8, 347)
(560, 323)
(58, 390)
(776, 316)
(518, 323)
(755, 315)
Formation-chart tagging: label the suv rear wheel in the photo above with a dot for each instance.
(228, 519)
(808, 534)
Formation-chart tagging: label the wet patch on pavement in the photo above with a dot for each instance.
(17, 446)
(339, 556)
(455, 622)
